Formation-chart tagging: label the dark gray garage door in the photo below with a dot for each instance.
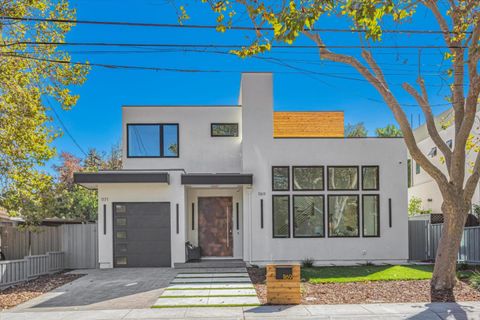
(141, 234)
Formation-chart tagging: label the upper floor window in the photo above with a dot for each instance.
(152, 141)
(433, 152)
(342, 178)
(224, 130)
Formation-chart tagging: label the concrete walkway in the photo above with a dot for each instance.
(219, 287)
(415, 311)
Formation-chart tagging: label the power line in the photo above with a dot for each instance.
(199, 26)
(228, 46)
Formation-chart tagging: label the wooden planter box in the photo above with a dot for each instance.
(283, 284)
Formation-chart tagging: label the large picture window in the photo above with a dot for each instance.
(343, 216)
(308, 178)
(370, 178)
(280, 178)
(224, 130)
(371, 215)
(152, 141)
(308, 216)
(343, 178)
(281, 216)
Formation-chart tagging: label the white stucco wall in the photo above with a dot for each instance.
(199, 152)
(423, 186)
(141, 192)
(261, 151)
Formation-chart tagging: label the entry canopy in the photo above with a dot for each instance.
(91, 180)
(217, 178)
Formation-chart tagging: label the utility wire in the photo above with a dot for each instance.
(231, 46)
(199, 26)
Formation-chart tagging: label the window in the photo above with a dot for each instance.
(121, 221)
(343, 220)
(152, 141)
(280, 178)
(409, 172)
(121, 261)
(224, 130)
(122, 235)
(371, 215)
(449, 143)
(433, 152)
(307, 178)
(417, 168)
(308, 216)
(281, 216)
(370, 177)
(342, 178)
(120, 208)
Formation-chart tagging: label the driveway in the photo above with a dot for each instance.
(132, 288)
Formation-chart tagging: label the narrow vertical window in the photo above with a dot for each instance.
(370, 178)
(281, 216)
(193, 216)
(238, 216)
(261, 213)
(104, 219)
(371, 215)
(178, 218)
(280, 178)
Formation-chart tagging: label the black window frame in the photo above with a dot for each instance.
(378, 215)
(328, 178)
(377, 177)
(288, 214)
(418, 168)
(433, 152)
(449, 143)
(288, 178)
(293, 213)
(223, 124)
(160, 125)
(306, 167)
(358, 214)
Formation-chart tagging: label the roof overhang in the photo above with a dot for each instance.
(217, 178)
(92, 179)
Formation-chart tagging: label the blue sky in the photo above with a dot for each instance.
(96, 120)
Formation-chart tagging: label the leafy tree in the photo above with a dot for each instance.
(390, 130)
(459, 22)
(356, 130)
(415, 207)
(29, 75)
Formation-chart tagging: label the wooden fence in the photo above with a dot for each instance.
(14, 271)
(77, 241)
(424, 238)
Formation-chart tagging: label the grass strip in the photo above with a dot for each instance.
(212, 277)
(213, 296)
(210, 305)
(231, 288)
(216, 282)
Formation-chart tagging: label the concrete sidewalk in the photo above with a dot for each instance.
(416, 311)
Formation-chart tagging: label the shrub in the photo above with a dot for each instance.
(475, 280)
(462, 266)
(307, 263)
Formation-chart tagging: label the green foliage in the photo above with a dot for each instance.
(367, 273)
(29, 76)
(356, 130)
(475, 280)
(415, 207)
(389, 131)
(307, 263)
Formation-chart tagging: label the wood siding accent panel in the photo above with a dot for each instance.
(308, 124)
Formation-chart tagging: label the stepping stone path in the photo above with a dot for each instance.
(209, 289)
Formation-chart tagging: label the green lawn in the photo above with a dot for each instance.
(366, 273)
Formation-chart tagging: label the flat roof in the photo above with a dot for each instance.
(217, 178)
(91, 180)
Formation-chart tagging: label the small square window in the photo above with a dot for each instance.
(343, 178)
(120, 208)
(121, 221)
(121, 235)
(307, 178)
(224, 130)
(280, 178)
(121, 261)
(433, 152)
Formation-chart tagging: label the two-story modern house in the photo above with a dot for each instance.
(421, 185)
(245, 182)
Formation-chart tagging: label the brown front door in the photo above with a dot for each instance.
(215, 226)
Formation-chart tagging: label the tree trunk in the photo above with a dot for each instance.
(444, 273)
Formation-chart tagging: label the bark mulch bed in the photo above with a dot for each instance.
(364, 292)
(25, 291)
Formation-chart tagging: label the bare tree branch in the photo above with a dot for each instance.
(391, 101)
(422, 100)
(433, 6)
